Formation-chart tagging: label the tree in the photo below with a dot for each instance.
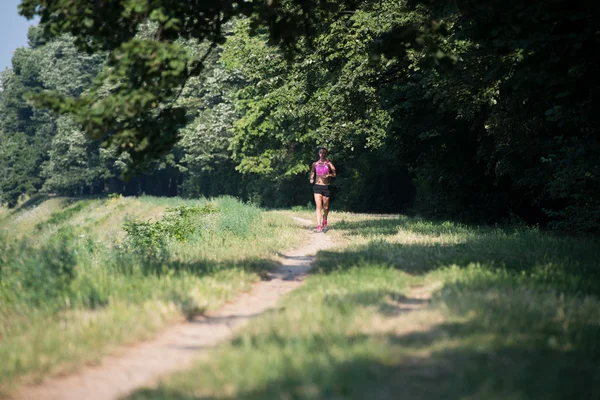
(147, 74)
(207, 163)
(16, 164)
(75, 164)
(489, 105)
(328, 96)
(26, 131)
(53, 66)
(510, 125)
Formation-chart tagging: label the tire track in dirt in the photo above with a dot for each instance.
(178, 347)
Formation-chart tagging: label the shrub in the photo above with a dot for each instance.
(36, 276)
(178, 223)
(237, 217)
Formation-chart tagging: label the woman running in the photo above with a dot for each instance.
(324, 170)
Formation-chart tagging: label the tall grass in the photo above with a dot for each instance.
(413, 309)
(68, 294)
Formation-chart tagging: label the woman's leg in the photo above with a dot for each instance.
(318, 202)
(325, 209)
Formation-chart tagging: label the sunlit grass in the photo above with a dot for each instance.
(116, 296)
(414, 309)
(23, 219)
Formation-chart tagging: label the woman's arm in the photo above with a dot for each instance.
(332, 173)
(312, 173)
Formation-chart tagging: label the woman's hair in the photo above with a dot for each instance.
(322, 148)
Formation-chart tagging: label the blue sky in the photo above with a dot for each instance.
(13, 31)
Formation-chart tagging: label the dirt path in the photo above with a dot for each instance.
(177, 347)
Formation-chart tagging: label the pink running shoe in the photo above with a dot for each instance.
(324, 223)
(319, 229)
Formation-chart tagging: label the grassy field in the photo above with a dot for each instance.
(81, 276)
(412, 309)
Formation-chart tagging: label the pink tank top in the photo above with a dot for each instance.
(322, 169)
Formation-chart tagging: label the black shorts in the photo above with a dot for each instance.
(322, 190)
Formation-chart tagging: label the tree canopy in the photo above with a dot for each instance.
(463, 109)
(146, 73)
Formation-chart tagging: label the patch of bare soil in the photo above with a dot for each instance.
(177, 347)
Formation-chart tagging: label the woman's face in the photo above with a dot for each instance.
(322, 153)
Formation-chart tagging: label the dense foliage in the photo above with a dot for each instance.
(462, 109)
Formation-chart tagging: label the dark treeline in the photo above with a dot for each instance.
(480, 111)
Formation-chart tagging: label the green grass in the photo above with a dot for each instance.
(412, 309)
(63, 215)
(70, 292)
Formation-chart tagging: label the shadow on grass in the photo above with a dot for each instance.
(166, 266)
(388, 302)
(198, 268)
(391, 225)
(33, 202)
(525, 370)
(44, 275)
(372, 226)
(500, 348)
(474, 358)
(569, 264)
(38, 199)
